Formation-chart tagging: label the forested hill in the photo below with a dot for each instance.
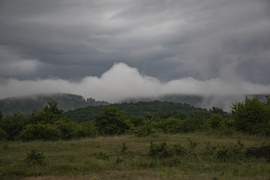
(203, 101)
(68, 102)
(156, 108)
(27, 104)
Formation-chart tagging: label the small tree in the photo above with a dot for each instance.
(252, 116)
(53, 108)
(195, 123)
(170, 125)
(111, 122)
(147, 127)
(86, 129)
(51, 112)
(216, 122)
(13, 125)
(67, 128)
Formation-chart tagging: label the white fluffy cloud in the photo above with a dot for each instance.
(122, 81)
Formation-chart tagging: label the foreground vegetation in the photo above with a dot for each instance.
(205, 144)
(181, 156)
(251, 117)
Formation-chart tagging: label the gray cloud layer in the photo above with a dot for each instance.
(181, 45)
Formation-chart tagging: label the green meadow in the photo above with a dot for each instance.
(172, 141)
(160, 156)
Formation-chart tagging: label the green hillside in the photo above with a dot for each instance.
(159, 109)
(71, 101)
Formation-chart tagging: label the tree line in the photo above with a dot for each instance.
(51, 123)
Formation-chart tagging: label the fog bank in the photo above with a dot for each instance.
(122, 81)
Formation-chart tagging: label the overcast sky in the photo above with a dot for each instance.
(113, 49)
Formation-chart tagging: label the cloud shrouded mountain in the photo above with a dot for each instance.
(122, 81)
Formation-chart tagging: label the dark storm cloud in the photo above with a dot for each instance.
(227, 42)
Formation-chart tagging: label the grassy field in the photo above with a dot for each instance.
(189, 156)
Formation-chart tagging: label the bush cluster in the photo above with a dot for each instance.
(163, 150)
(35, 157)
(235, 153)
(48, 124)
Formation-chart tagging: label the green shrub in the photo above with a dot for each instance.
(119, 160)
(86, 129)
(252, 116)
(144, 130)
(135, 121)
(170, 125)
(161, 150)
(111, 121)
(195, 123)
(103, 156)
(124, 148)
(216, 122)
(40, 132)
(231, 153)
(3, 135)
(35, 157)
(259, 152)
(179, 150)
(192, 144)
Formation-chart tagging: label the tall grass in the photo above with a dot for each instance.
(205, 157)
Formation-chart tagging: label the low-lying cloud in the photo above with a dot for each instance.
(122, 81)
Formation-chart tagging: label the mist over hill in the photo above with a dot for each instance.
(203, 101)
(28, 103)
(71, 101)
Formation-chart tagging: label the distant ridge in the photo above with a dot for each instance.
(27, 103)
(160, 109)
(71, 101)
